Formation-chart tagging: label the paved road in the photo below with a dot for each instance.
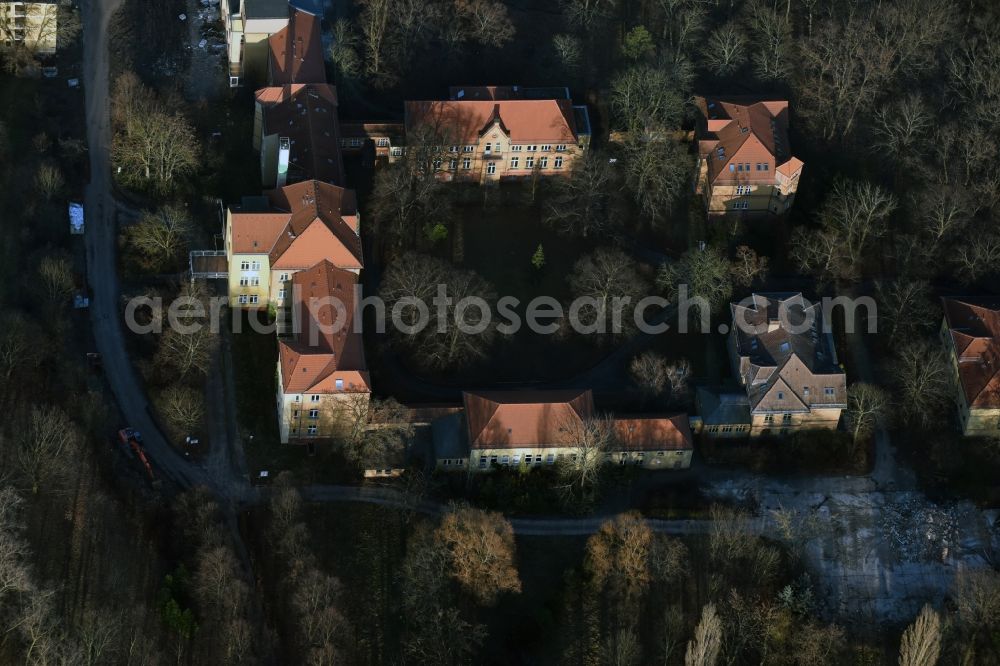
(100, 238)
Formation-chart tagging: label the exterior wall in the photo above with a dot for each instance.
(551, 455)
(33, 24)
(727, 431)
(334, 413)
(973, 422)
(781, 423)
(257, 280)
(752, 198)
(503, 155)
(247, 48)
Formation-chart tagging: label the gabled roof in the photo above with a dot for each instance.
(745, 130)
(525, 120)
(305, 225)
(514, 419)
(784, 358)
(296, 51)
(653, 433)
(975, 332)
(307, 116)
(325, 346)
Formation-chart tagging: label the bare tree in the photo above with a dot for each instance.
(649, 372)
(590, 439)
(46, 446)
(460, 338)
(49, 180)
(682, 24)
(19, 343)
(905, 308)
(152, 147)
(56, 274)
(648, 101)
(703, 649)
(657, 173)
(867, 404)
(977, 257)
(375, 29)
(622, 648)
(481, 553)
(183, 409)
(344, 49)
(773, 36)
(618, 556)
(922, 373)
(705, 274)
(587, 14)
(15, 574)
(609, 281)
(581, 204)
(921, 643)
(749, 266)
(725, 52)
(901, 128)
(383, 437)
(569, 52)
(942, 210)
(854, 215)
(320, 622)
(162, 236)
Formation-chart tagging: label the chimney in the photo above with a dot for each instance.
(284, 150)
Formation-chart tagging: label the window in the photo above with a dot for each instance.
(253, 299)
(452, 164)
(437, 163)
(314, 398)
(382, 142)
(504, 460)
(543, 162)
(781, 396)
(732, 167)
(546, 147)
(491, 168)
(244, 265)
(356, 142)
(550, 459)
(528, 459)
(339, 384)
(531, 149)
(489, 148)
(295, 413)
(727, 428)
(741, 205)
(281, 294)
(786, 418)
(312, 430)
(452, 149)
(493, 460)
(769, 418)
(314, 413)
(466, 163)
(255, 282)
(514, 162)
(283, 277)
(244, 282)
(529, 162)
(447, 462)
(538, 459)
(746, 166)
(558, 162)
(829, 392)
(396, 152)
(560, 147)
(468, 149)
(516, 149)
(743, 190)
(255, 265)
(767, 167)
(517, 459)
(739, 167)
(805, 390)
(483, 462)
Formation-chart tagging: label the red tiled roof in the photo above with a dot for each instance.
(975, 331)
(296, 51)
(325, 347)
(526, 120)
(653, 433)
(309, 222)
(747, 131)
(514, 419)
(307, 116)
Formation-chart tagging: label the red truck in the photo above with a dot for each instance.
(131, 439)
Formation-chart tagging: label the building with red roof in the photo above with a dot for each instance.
(971, 336)
(745, 165)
